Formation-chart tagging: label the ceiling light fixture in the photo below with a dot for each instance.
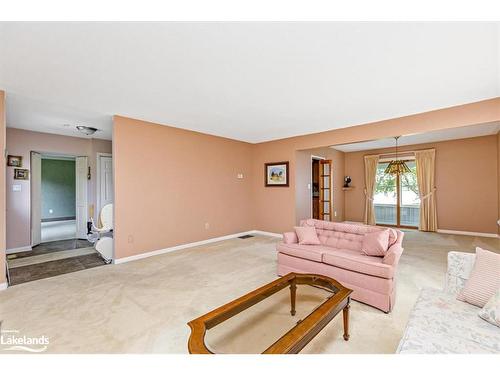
(87, 130)
(397, 167)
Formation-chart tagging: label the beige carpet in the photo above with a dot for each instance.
(143, 306)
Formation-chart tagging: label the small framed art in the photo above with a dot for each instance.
(14, 161)
(21, 174)
(276, 174)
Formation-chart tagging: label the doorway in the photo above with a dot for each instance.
(315, 188)
(321, 188)
(396, 199)
(59, 214)
(58, 198)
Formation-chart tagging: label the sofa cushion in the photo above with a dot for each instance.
(307, 236)
(354, 261)
(376, 243)
(439, 323)
(484, 279)
(355, 280)
(310, 252)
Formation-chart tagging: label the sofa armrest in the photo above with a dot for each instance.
(393, 254)
(459, 268)
(394, 251)
(290, 237)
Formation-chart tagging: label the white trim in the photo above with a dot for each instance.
(18, 249)
(192, 244)
(82, 189)
(464, 233)
(314, 157)
(3, 286)
(270, 234)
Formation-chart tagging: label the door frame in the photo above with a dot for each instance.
(322, 189)
(313, 157)
(55, 155)
(33, 181)
(98, 181)
(85, 211)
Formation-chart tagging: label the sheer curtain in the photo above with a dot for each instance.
(425, 162)
(371, 163)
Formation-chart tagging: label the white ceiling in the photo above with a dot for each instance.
(246, 81)
(429, 137)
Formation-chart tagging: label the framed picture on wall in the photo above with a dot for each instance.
(21, 174)
(276, 174)
(14, 161)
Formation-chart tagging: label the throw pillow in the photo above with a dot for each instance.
(307, 236)
(376, 243)
(290, 237)
(491, 311)
(484, 279)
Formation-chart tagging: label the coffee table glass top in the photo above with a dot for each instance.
(280, 317)
(255, 329)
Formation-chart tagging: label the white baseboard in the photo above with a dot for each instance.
(270, 234)
(192, 244)
(18, 250)
(3, 286)
(464, 233)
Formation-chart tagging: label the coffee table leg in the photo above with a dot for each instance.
(293, 293)
(345, 314)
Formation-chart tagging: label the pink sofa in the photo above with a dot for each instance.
(339, 256)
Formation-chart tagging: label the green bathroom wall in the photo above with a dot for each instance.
(58, 189)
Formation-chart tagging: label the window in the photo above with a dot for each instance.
(396, 198)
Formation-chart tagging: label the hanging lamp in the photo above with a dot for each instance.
(397, 167)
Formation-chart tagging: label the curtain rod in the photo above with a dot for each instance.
(407, 153)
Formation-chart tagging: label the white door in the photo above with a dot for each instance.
(81, 197)
(36, 198)
(105, 181)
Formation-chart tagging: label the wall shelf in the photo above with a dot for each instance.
(347, 188)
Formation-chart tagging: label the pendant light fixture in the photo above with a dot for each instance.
(397, 167)
(87, 130)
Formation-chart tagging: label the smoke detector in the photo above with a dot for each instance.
(87, 130)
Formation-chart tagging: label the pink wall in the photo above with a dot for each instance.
(170, 182)
(2, 188)
(466, 182)
(161, 202)
(22, 142)
(275, 208)
(498, 148)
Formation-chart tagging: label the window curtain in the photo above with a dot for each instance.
(425, 162)
(371, 163)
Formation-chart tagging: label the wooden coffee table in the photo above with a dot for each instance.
(296, 338)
